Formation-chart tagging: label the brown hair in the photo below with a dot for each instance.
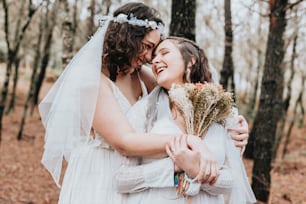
(200, 71)
(123, 41)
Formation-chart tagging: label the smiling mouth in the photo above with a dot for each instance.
(159, 70)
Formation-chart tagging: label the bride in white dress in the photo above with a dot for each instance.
(85, 104)
(152, 182)
(69, 111)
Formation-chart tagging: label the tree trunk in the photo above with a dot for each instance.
(286, 102)
(287, 139)
(300, 102)
(5, 92)
(16, 62)
(227, 72)
(256, 92)
(67, 36)
(12, 52)
(11, 105)
(68, 32)
(45, 58)
(183, 19)
(32, 83)
(90, 20)
(266, 119)
(252, 111)
(106, 6)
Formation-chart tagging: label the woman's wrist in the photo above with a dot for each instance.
(177, 169)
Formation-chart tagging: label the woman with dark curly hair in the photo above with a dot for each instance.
(85, 111)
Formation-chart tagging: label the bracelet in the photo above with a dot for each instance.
(176, 180)
(190, 180)
(183, 184)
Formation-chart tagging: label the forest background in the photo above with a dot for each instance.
(257, 47)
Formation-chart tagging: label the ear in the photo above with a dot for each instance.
(189, 66)
(192, 62)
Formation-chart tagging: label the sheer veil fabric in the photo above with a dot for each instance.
(68, 109)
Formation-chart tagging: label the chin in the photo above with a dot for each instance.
(163, 84)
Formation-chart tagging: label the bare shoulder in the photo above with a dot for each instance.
(105, 81)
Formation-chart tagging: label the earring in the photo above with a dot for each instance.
(187, 74)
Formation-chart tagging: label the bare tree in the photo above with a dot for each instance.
(183, 19)
(11, 105)
(69, 27)
(270, 106)
(42, 23)
(227, 72)
(90, 20)
(286, 101)
(46, 52)
(105, 6)
(12, 50)
(298, 102)
(260, 61)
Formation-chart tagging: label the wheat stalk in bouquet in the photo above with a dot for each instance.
(201, 105)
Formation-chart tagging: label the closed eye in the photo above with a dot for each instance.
(147, 46)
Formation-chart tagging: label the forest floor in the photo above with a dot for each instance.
(23, 179)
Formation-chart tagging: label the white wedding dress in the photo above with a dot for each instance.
(89, 178)
(152, 181)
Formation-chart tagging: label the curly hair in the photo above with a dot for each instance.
(199, 71)
(123, 41)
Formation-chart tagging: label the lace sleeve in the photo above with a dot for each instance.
(158, 174)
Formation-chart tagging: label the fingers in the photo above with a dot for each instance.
(201, 174)
(169, 151)
(240, 137)
(241, 143)
(176, 147)
(241, 127)
(242, 121)
(214, 174)
(238, 130)
(209, 172)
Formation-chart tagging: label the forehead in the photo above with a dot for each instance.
(152, 37)
(167, 44)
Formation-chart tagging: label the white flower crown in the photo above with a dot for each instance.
(123, 18)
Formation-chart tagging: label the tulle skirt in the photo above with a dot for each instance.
(89, 178)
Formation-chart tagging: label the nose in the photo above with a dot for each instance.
(148, 55)
(155, 60)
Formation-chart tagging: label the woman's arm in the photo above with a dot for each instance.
(111, 123)
(158, 174)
